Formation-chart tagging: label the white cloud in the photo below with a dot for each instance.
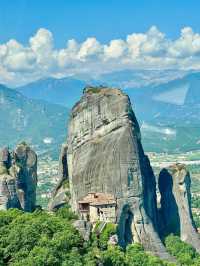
(21, 64)
(187, 45)
(115, 49)
(91, 47)
(42, 42)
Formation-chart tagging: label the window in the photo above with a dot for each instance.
(84, 207)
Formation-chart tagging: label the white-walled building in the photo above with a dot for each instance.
(98, 207)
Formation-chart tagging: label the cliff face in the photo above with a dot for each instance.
(18, 178)
(61, 192)
(176, 215)
(105, 155)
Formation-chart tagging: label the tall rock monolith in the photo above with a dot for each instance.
(105, 155)
(175, 213)
(18, 178)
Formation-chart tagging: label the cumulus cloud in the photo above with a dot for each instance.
(115, 49)
(42, 41)
(90, 48)
(20, 64)
(187, 45)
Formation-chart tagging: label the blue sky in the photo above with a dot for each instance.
(103, 19)
(88, 38)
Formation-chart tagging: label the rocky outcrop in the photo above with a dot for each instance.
(61, 192)
(84, 228)
(104, 154)
(18, 178)
(175, 212)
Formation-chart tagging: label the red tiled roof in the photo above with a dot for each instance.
(98, 198)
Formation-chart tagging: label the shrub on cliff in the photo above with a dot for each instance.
(113, 256)
(136, 256)
(184, 253)
(108, 231)
(66, 213)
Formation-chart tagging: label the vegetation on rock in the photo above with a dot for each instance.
(42, 238)
(184, 253)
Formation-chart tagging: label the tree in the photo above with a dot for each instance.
(136, 256)
(185, 253)
(38, 237)
(113, 256)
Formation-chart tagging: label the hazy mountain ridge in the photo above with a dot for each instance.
(66, 91)
(63, 91)
(166, 98)
(169, 114)
(35, 121)
(140, 78)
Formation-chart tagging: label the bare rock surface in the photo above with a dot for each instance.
(61, 192)
(84, 228)
(18, 178)
(176, 215)
(105, 155)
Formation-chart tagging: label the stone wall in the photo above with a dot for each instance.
(106, 213)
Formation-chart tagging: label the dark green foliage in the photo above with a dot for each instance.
(92, 257)
(48, 239)
(66, 213)
(109, 230)
(6, 217)
(196, 218)
(32, 239)
(195, 202)
(184, 253)
(136, 256)
(113, 256)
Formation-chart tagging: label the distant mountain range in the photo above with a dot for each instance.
(168, 108)
(169, 114)
(64, 91)
(67, 91)
(174, 101)
(39, 123)
(140, 78)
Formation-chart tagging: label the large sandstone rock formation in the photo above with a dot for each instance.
(104, 154)
(176, 215)
(18, 178)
